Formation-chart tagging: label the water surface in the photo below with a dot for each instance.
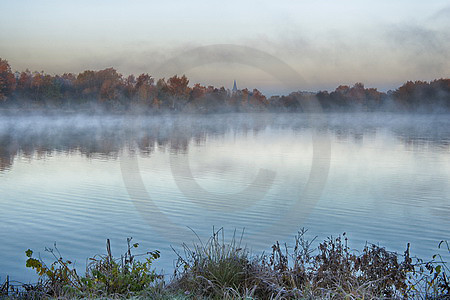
(79, 179)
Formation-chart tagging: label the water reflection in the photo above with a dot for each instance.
(35, 137)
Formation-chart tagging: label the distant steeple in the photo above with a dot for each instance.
(234, 87)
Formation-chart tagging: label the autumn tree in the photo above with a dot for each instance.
(67, 82)
(339, 96)
(424, 95)
(198, 91)
(374, 98)
(145, 88)
(442, 91)
(51, 89)
(244, 94)
(258, 100)
(7, 80)
(178, 90)
(110, 83)
(129, 89)
(215, 100)
(86, 84)
(36, 84)
(24, 81)
(104, 84)
(356, 95)
(162, 91)
(197, 98)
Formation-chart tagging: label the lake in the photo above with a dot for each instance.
(78, 179)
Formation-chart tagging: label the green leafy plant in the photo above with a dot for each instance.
(120, 276)
(430, 279)
(56, 276)
(104, 275)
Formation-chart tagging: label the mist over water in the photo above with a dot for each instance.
(61, 179)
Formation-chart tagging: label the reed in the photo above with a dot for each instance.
(220, 269)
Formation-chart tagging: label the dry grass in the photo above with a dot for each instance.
(216, 269)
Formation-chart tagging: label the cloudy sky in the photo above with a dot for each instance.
(381, 43)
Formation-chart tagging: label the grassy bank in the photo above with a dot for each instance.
(215, 269)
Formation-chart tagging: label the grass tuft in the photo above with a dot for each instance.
(217, 269)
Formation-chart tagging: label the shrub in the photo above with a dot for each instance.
(105, 275)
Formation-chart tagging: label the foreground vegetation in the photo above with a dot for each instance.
(109, 90)
(227, 270)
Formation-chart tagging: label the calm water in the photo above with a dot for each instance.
(77, 180)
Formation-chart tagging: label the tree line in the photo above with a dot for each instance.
(111, 90)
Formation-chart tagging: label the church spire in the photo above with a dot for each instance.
(234, 87)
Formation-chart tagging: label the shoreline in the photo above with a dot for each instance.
(216, 269)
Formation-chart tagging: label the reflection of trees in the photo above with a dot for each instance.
(106, 136)
(6, 159)
(42, 137)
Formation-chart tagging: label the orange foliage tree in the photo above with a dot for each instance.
(7, 80)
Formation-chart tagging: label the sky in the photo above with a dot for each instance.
(328, 43)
